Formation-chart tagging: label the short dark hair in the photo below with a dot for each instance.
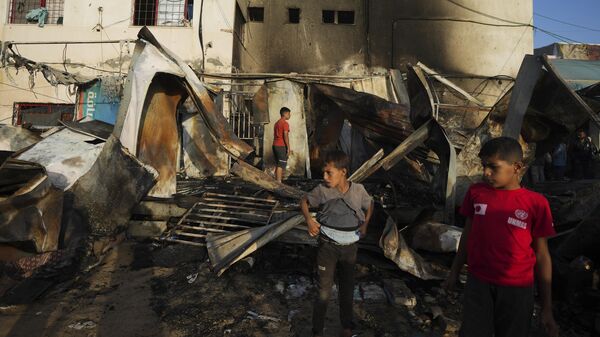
(284, 110)
(338, 158)
(505, 148)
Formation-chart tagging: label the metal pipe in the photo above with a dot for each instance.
(67, 42)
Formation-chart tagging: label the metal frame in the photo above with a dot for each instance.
(153, 15)
(220, 213)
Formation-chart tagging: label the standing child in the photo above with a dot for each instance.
(281, 143)
(345, 209)
(504, 243)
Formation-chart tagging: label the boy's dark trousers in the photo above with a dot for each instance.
(332, 257)
(499, 311)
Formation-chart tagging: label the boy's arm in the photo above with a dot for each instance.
(461, 257)
(313, 225)
(543, 268)
(286, 140)
(365, 225)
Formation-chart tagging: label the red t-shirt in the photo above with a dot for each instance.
(280, 127)
(504, 225)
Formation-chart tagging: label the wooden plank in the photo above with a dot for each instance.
(412, 142)
(192, 235)
(266, 209)
(367, 168)
(213, 224)
(253, 175)
(214, 210)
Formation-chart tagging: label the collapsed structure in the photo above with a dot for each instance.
(163, 161)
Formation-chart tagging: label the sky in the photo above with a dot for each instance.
(584, 13)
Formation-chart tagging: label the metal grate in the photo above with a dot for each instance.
(240, 117)
(19, 8)
(162, 12)
(42, 115)
(220, 213)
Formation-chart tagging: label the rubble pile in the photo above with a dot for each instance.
(167, 191)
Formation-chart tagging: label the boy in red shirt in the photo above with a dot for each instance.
(281, 143)
(503, 243)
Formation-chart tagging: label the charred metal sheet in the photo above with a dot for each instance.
(92, 128)
(30, 208)
(377, 118)
(400, 90)
(15, 138)
(215, 121)
(220, 213)
(260, 106)
(106, 195)
(66, 155)
(569, 95)
(158, 143)
(226, 249)
(421, 98)
(396, 249)
(529, 74)
(202, 155)
(253, 175)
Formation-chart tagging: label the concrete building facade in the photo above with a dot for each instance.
(342, 37)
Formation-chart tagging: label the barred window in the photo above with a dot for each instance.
(18, 10)
(162, 12)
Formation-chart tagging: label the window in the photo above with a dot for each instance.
(338, 17)
(42, 115)
(256, 14)
(176, 13)
(345, 17)
(18, 10)
(294, 15)
(328, 16)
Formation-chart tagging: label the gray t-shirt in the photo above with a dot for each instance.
(356, 197)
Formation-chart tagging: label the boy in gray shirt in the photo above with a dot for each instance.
(345, 209)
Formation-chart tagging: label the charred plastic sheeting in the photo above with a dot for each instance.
(106, 195)
(30, 207)
(226, 249)
(157, 83)
(67, 155)
(395, 248)
(15, 138)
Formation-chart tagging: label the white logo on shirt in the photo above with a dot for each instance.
(480, 209)
(517, 222)
(521, 214)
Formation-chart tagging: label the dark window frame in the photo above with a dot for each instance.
(294, 15)
(256, 14)
(333, 17)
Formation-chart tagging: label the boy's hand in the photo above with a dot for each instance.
(362, 230)
(450, 282)
(313, 227)
(548, 323)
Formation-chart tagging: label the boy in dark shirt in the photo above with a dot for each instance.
(503, 243)
(345, 209)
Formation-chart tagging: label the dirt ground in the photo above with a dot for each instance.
(143, 289)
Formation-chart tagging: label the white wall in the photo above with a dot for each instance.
(80, 18)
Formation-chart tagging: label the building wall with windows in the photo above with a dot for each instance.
(326, 36)
(174, 23)
(485, 38)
